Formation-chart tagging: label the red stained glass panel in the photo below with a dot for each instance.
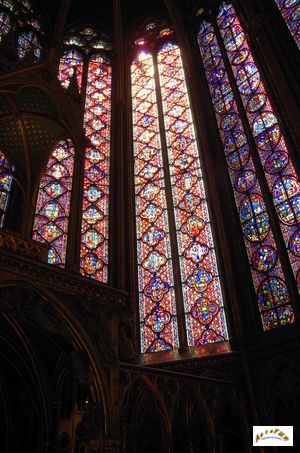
(71, 63)
(97, 119)
(53, 204)
(155, 273)
(203, 302)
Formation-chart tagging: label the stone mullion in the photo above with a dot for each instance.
(171, 219)
(74, 231)
(56, 38)
(118, 237)
(133, 267)
(75, 219)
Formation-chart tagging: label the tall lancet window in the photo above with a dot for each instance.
(53, 203)
(180, 296)
(290, 10)
(258, 162)
(87, 62)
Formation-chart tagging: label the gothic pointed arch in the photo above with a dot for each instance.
(140, 403)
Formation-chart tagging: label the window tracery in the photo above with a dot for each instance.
(269, 280)
(19, 17)
(172, 216)
(28, 44)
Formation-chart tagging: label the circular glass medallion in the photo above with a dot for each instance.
(248, 79)
(211, 57)
(235, 140)
(289, 212)
(204, 310)
(256, 102)
(276, 162)
(272, 292)
(229, 121)
(269, 139)
(239, 159)
(245, 181)
(285, 188)
(294, 243)
(234, 38)
(264, 259)
(216, 76)
(255, 221)
(239, 56)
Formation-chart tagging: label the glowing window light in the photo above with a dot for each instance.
(70, 63)
(53, 203)
(280, 174)
(267, 274)
(158, 321)
(95, 217)
(203, 301)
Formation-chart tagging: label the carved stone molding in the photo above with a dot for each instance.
(15, 243)
(59, 279)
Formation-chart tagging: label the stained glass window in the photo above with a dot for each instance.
(97, 117)
(267, 274)
(5, 24)
(169, 187)
(203, 303)
(290, 10)
(28, 44)
(23, 14)
(53, 203)
(271, 144)
(156, 281)
(20, 17)
(70, 63)
(5, 186)
(95, 69)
